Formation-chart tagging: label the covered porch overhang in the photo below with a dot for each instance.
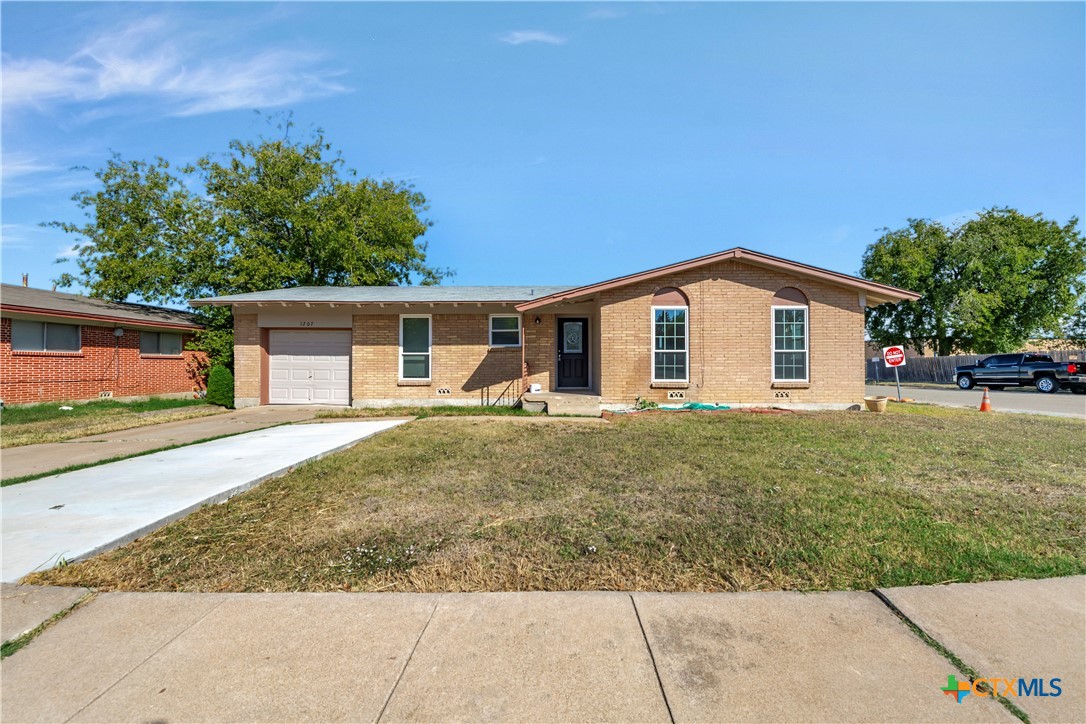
(562, 351)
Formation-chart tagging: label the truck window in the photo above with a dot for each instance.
(1037, 358)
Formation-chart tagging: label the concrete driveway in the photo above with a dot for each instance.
(48, 457)
(78, 514)
(577, 656)
(1059, 404)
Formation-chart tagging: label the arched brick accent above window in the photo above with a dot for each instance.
(789, 296)
(669, 297)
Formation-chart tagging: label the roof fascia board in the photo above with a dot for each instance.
(880, 291)
(342, 303)
(95, 317)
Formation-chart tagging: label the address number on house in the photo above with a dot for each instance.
(305, 324)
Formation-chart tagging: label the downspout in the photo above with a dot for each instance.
(523, 361)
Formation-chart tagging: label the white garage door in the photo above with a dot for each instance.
(309, 368)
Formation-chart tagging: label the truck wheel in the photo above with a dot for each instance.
(965, 382)
(1046, 384)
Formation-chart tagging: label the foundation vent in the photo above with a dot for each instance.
(782, 395)
(106, 393)
(444, 391)
(676, 394)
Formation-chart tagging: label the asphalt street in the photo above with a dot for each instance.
(1059, 404)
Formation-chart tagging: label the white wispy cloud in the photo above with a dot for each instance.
(606, 13)
(150, 59)
(520, 37)
(68, 252)
(18, 164)
(27, 236)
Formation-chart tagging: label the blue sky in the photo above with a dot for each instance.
(568, 142)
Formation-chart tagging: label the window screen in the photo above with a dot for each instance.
(790, 344)
(669, 349)
(505, 331)
(415, 348)
(44, 336)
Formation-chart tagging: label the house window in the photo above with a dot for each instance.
(789, 344)
(44, 336)
(504, 330)
(669, 358)
(164, 343)
(415, 342)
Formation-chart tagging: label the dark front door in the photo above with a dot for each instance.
(572, 352)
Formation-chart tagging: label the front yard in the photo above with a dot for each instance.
(688, 501)
(48, 422)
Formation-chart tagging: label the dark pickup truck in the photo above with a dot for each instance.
(1015, 370)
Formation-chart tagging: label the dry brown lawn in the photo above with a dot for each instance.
(686, 501)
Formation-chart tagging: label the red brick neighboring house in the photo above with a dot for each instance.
(58, 346)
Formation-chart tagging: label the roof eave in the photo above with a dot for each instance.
(20, 309)
(876, 290)
(344, 303)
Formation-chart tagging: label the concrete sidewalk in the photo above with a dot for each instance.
(16, 462)
(78, 514)
(541, 657)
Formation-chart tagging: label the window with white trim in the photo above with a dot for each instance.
(165, 343)
(504, 330)
(28, 336)
(670, 353)
(790, 344)
(415, 347)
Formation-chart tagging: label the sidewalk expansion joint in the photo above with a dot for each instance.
(145, 659)
(410, 656)
(9, 648)
(947, 654)
(652, 658)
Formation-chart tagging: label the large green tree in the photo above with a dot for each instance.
(270, 213)
(988, 285)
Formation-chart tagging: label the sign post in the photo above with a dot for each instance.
(895, 357)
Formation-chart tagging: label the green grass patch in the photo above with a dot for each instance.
(10, 647)
(690, 501)
(47, 422)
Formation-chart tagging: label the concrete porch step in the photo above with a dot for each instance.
(564, 403)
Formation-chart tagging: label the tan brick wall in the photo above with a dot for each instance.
(730, 338)
(246, 360)
(461, 360)
(539, 351)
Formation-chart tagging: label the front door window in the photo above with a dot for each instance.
(572, 337)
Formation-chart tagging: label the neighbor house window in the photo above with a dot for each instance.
(790, 344)
(415, 341)
(670, 353)
(44, 336)
(166, 343)
(504, 330)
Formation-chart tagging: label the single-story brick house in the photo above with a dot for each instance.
(737, 327)
(58, 346)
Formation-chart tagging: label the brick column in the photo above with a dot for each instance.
(246, 361)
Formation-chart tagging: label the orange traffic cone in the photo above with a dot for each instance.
(985, 403)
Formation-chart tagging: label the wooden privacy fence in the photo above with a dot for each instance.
(941, 369)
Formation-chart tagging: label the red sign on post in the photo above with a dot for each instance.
(893, 356)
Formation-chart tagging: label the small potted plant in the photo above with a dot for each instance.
(876, 403)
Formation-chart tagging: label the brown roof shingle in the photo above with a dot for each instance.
(27, 300)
